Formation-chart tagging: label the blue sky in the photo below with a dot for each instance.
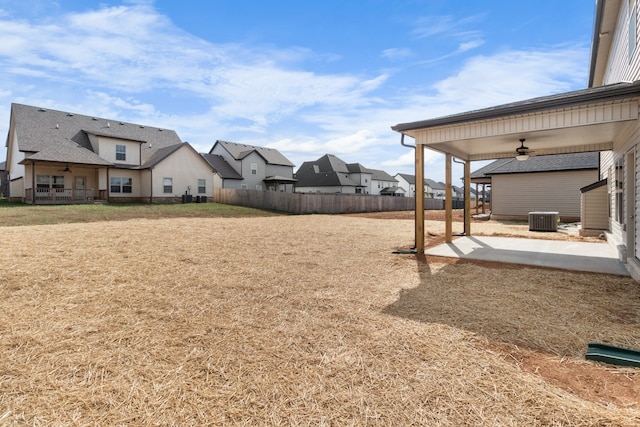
(307, 78)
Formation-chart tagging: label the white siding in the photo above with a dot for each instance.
(519, 194)
(619, 67)
(595, 209)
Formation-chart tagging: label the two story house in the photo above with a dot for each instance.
(62, 157)
(243, 166)
(331, 174)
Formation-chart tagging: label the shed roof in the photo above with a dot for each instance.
(220, 165)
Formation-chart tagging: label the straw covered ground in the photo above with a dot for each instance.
(299, 320)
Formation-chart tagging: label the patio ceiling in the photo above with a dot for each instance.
(580, 121)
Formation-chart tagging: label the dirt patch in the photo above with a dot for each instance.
(594, 382)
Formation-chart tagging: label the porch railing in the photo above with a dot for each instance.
(61, 195)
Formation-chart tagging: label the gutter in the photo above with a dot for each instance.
(595, 41)
(562, 100)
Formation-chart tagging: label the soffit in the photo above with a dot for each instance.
(584, 128)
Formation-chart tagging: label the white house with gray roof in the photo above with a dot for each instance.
(243, 166)
(331, 175)
(61, 157)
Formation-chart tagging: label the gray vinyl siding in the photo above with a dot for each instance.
(519, 194)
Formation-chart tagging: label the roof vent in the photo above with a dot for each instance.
(57, 126)
(108, 124)
(141, 127)
(122, 123)
(160, 130)
(42, 109)
(70, 114)
(95, 118)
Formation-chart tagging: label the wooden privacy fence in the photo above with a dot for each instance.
(303, 203)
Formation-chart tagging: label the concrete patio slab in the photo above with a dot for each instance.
(579, 256)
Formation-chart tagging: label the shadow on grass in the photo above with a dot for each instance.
(541, 309)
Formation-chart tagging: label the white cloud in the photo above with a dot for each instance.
(397, 53)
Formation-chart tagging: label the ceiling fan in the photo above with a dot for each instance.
(66, 169)
(522, 152)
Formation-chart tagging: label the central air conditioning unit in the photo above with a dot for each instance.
(543, 221)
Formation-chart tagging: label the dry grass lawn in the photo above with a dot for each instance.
(299, 320)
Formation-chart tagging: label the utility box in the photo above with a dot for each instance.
(543, 221)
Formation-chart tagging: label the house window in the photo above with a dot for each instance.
(244, 187)
(259, 187)
(167, 184)
(254, 168)
(121, 152)
(46, 181)
(120, 184)
(202, 186)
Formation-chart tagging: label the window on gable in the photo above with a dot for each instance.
(254, 168)
(167, 184)
(202, 186)
(121, 152)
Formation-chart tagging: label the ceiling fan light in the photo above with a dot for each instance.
(522, 156)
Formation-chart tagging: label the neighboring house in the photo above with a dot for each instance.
(542, 183)
(604, 118)
(244, 166)
(384, 184)
(407, 183)
(60, 157)
(458, 192)
(433, 189)
(224, 176)
(330, 174)
(4, 181)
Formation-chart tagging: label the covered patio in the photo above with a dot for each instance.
(580, 121)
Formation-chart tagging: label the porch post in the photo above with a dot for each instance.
(467, 198)
(419, 215)
(448, 202)
(33, 182)
(477, 199)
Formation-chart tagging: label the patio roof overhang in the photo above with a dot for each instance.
(573, 122)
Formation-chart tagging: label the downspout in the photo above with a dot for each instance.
(415, 237)
(462, 162)
(108, 185)
(403, 144)
(151, 184)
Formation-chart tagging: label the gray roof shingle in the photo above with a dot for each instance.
(558, 162)
(220, 165)
(240, 151)
(60, 136)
